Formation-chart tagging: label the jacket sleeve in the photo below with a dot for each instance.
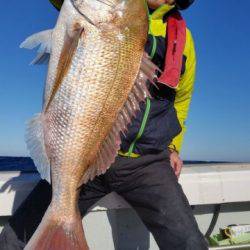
(184, 91)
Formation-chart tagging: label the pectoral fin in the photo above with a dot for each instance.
(68, 50)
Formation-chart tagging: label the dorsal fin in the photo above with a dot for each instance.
(111, 145)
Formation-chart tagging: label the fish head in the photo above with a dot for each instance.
(123, 21)
(119, 16)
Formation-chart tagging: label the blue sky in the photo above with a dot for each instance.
(218, 127)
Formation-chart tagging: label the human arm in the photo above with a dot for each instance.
(184, 91)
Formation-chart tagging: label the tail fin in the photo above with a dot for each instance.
(55, 235)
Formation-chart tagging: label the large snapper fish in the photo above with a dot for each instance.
(96, 79)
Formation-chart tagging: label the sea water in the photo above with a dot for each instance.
(26, 165)
(23, 164)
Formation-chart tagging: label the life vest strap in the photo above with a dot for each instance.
(176, 40)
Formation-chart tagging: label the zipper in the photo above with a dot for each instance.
(142, 128)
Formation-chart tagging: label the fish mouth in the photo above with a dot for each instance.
(77, 3)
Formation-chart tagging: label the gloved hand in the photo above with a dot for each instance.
(175, 162)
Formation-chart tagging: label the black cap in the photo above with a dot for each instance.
(183, 4)
(57, 3)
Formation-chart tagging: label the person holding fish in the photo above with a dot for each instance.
(105, 96)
